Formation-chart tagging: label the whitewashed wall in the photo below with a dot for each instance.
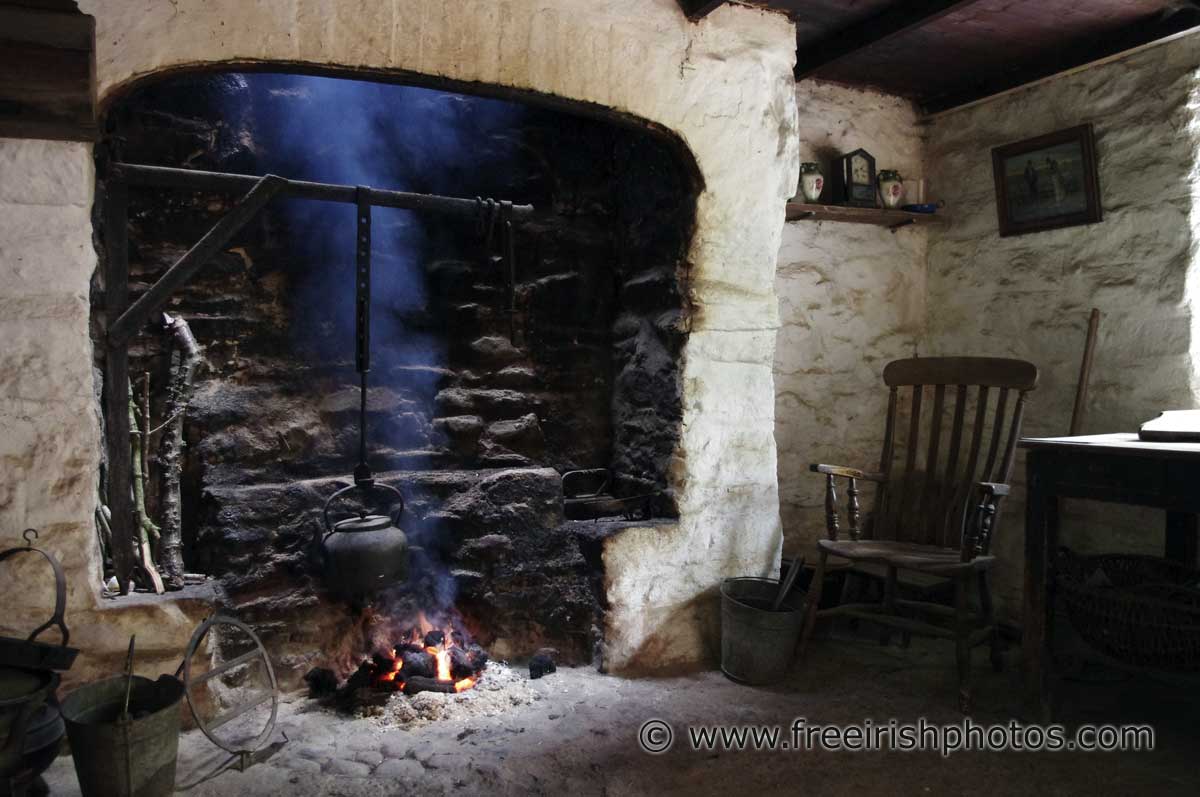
(851, 298)
(1029, 296)
(49, 446)
(49, 417)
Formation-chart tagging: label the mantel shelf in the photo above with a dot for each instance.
(894, 219)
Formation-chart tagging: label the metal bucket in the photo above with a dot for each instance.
(757, 644)
(134, 758)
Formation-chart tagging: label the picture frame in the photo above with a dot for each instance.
(1047, 182)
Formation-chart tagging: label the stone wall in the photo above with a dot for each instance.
(1029, 296)
(851, 298)
(723, 88)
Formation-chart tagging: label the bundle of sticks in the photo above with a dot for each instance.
(159, 546)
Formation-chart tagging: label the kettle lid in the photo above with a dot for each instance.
(364, 523)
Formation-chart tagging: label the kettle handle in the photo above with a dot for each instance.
(330, 530)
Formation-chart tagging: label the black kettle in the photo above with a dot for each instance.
(364, 552)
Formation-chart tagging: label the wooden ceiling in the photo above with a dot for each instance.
(944, 53)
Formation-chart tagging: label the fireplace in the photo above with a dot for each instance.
(718, 96)
(526, 408)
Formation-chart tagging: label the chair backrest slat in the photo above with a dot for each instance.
(981, 403)
(932, 489)
(926, 495)
(878, 523)
(1010, 447)
(910, 464)
(997, 430)
(948, 486)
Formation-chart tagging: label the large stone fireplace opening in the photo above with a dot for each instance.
(526, 410)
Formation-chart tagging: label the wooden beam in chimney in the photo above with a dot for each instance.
(901, 16)
(696, 10)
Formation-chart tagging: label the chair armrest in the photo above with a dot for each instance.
(852, 510)
(994, 489)
(849, 473)
(978, 521)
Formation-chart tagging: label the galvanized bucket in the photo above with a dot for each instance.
(757, 644)
(125, 758)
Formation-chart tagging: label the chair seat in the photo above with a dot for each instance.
(907, 555)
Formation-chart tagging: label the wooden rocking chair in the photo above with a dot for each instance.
(936, 513)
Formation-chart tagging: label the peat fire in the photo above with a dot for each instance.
(423, 656)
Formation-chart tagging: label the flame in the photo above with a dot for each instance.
(397, 664)
(415, 635)
(442, 655)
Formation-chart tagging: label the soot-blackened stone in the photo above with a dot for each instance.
(435, 639)
(479, 657)
(461, 664)
(362, 678)
(419, 664)
(321, 682)
(540, 665)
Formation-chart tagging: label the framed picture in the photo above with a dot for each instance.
(1047, 182)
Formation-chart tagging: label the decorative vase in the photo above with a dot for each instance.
(811, 182)
(891, 188)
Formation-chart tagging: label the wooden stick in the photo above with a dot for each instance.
(1085, 374)
(146, 532)
(185, 356)
(145, 409)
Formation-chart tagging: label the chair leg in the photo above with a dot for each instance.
(962, 640)
(814, 598)
(989, 620)
(851, 592)
(889, 605)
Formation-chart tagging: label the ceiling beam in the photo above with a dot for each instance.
(1145, 31)
(901, 16)
(696, 10)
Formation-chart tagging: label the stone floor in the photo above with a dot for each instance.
(579, 736)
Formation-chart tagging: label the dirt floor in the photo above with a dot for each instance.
(576, 733)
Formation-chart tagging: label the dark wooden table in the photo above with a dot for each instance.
(1110, 467)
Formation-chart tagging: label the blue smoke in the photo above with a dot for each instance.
(384, 136)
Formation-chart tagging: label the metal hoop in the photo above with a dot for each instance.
(209, 728)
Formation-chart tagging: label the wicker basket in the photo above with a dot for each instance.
(1140, 610)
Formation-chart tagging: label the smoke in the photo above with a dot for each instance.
(383, 136)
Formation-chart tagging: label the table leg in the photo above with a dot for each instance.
(1041, 545)
(1183, 534)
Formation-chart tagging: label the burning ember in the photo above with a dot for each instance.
(423, 659)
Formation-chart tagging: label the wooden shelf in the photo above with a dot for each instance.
(893, 219)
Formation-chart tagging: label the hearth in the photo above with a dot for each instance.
(524, 395)
(422, 657)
